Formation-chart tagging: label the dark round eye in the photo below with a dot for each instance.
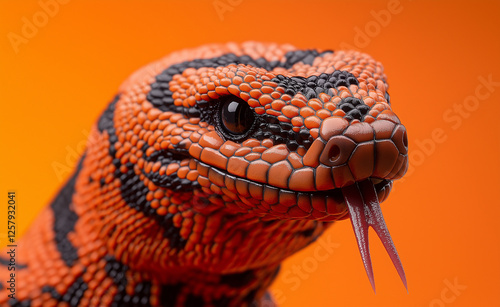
(236, 116)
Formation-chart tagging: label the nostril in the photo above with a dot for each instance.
(334, 153)
(405, 140)
(337, 151)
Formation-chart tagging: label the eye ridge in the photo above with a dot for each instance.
(235, 118)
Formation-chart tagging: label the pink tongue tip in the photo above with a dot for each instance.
(364, 208)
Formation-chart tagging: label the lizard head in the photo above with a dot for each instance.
(266, 130)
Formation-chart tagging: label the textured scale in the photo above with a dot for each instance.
(169, 207)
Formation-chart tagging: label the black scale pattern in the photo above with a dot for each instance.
(354, 108)
(72, 296)
(161, 96)
(133, 189)
(142, 291)
(65, 218)
(310, 87)
(16, 303)
(268, 126)
(6, 262)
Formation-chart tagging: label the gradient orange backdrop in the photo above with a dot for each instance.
(438, 55)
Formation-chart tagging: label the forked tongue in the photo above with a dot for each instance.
(364, 208)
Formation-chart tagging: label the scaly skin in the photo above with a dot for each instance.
(181, 201)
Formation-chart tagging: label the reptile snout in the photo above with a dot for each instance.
(378, 149)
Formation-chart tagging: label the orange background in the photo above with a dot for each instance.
(443, 216)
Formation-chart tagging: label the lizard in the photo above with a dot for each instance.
(207, 169)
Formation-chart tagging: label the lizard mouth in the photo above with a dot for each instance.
(360, 201)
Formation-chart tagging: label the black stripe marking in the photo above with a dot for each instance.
(6, 262)
(72, 296)
(142, 291)
(132, 188)
(238, 280)
(15, 303)
(161, 96)
(65, 218)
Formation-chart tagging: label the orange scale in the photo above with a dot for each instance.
(225, 82)
(238, 79)
(141, 117)
(267, 89)
(302, 180)
(259, 149)
(255, 93)
(245, 87)
(295, 160)
(176, 139)
(182, 172)
(314, 133)
(324, 97)
(330, 106)
(228, 148)
(220, 90)
(297, 122)
(250, 77)
(161, 211)
(278, 105)
(214, 157)
(338, 112)
(265, 99)
(210, 86)
(323, 113)
(165, 202)
(245, 96)
(213, 95)
(252, 156)
(312, 122)
(158, 194)
(315, 103)
(306, 111)
(275, 95)
(252, 102)
(368, 119)
(233, 89)
(311, 158)
(345, 94)
(172, 168)
(155, 204)
(255, 84)
(211, 140)
(243, 151)
(279, 173)
(290, 111)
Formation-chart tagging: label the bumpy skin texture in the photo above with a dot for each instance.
(168, 207)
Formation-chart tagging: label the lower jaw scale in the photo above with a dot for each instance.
(364, 209)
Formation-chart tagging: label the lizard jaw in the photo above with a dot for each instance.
(364, 209)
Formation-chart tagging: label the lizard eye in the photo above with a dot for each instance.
(236, 116)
